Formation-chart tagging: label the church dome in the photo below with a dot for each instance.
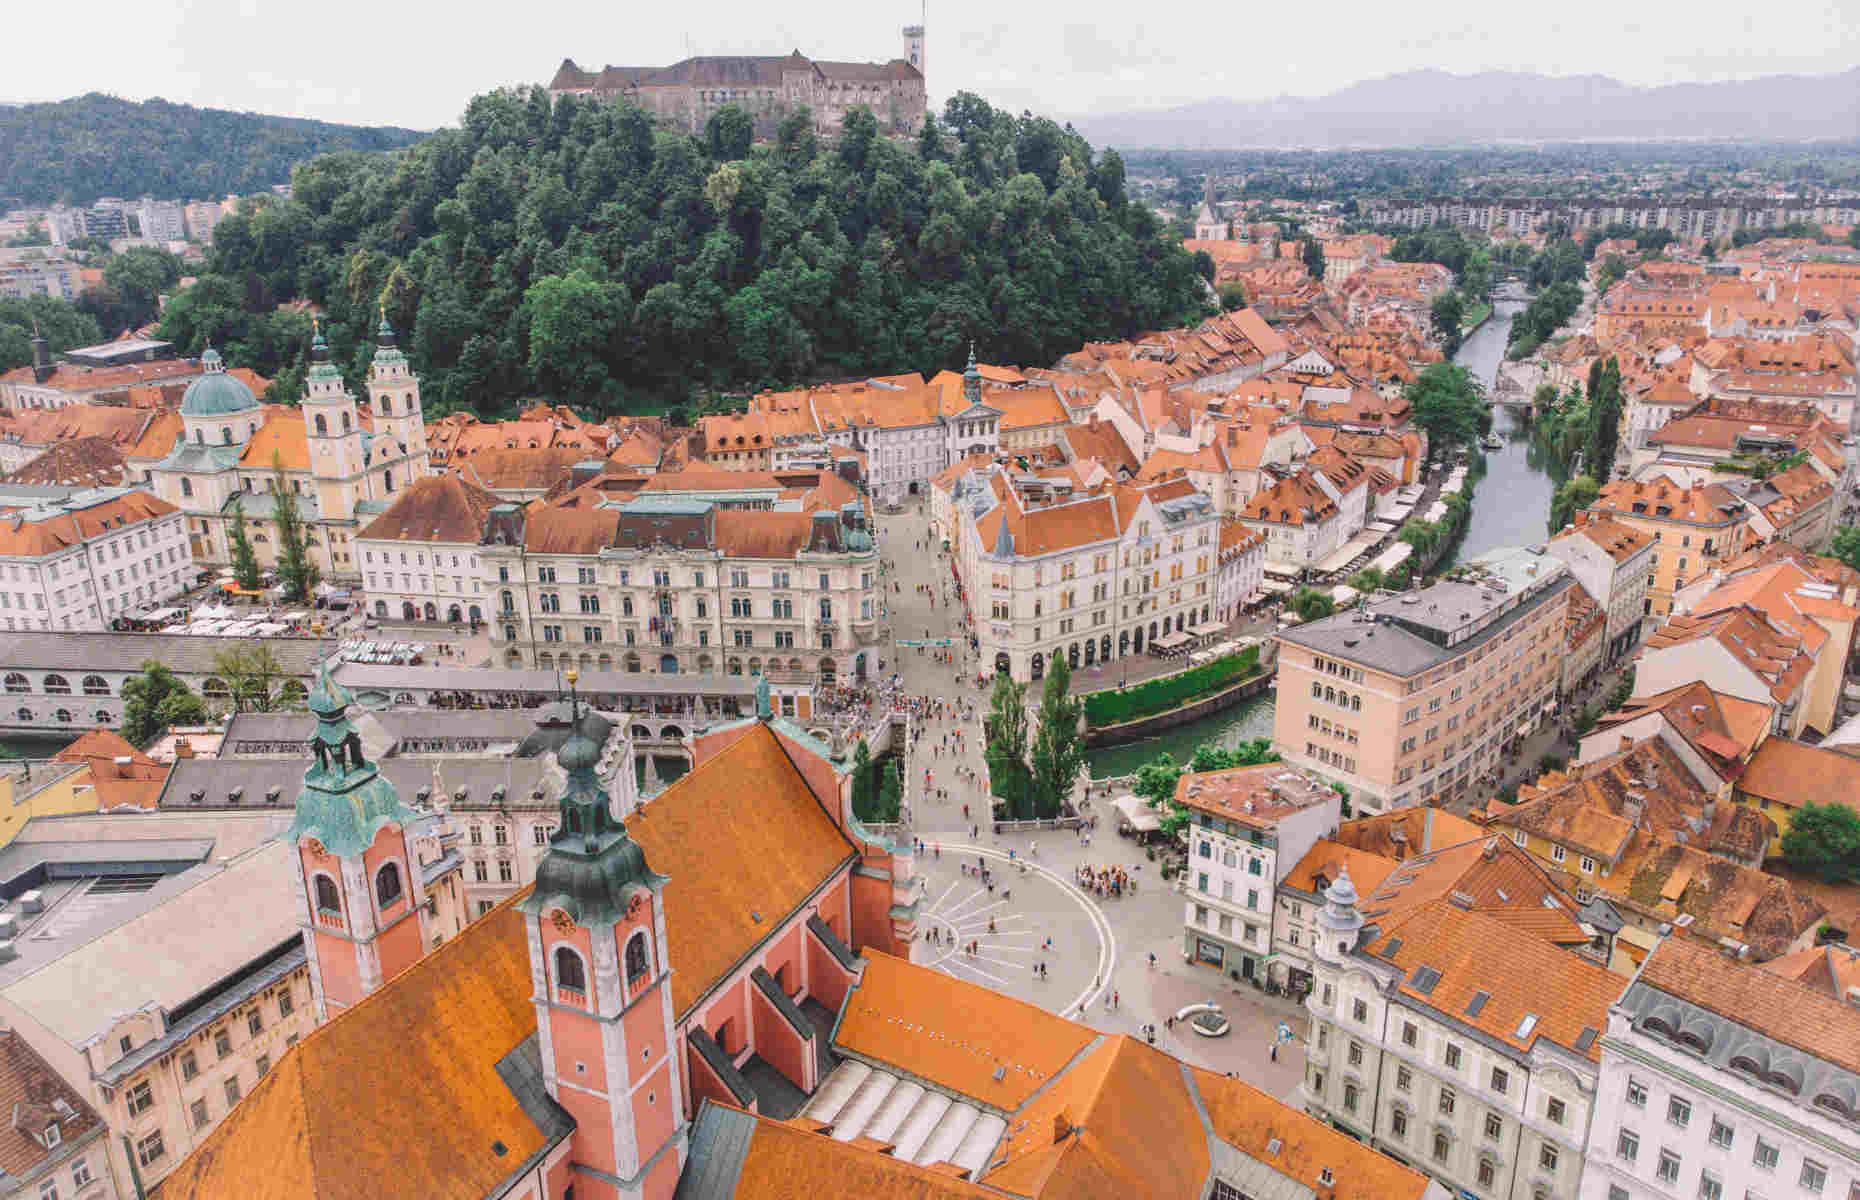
(215, 393)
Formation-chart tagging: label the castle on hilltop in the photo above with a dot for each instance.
(687, 93)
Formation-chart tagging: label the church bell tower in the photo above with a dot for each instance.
(361, 881)
(394, 402)
(601, 984)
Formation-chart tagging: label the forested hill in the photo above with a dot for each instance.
(77, 150)
(577, 251)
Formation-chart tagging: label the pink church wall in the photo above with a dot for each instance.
(777, 1043)
(704, 1083)
(827, 981)
(654, 1118)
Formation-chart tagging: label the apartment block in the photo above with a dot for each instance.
(1413, 697)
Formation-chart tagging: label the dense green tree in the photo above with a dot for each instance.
(730, 132)
(1233, 296)
(63, 325)
(1847, 545)
(76, 150)
(35, 235)
(244, 560)
(1311, 604)
(1058, 753)
(1314, 258)
(297, 573)
(156, 699)
(1367, 580)
(1449, 404)
(1604, 418)
(1448, 313)
(1612, 271)
(1155, 782)
(134, 281)
(572, 249)
(1005, 752)
(253, 674)
(1824, 840)
(1250, 753)
(1574, 496)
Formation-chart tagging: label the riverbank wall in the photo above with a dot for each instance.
(1144, 727)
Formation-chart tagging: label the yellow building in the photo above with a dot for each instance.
(1783, 776)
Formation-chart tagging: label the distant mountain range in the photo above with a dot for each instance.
(1436, 108)
(95, 145)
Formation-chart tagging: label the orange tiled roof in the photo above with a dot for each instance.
(1613, 538)
(1666, 881)
(1794, 774)
(350, 1109)
(30, 539)
(1494, 877)
(1830, 969)
(1774, 655)
(281, 439)
(29, 1087)
(438, 508)
(1793, 1012)
(1402, 833)
(82, 462)
(1326, 859)
(1521, 976)
(1727, 728)
(741, 835)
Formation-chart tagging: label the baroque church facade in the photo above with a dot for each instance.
(342, 459)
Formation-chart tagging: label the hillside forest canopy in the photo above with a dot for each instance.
(73, 151)
(575, 251)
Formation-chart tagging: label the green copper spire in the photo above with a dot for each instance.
(592, 869)
(344, 802)
(320, 366)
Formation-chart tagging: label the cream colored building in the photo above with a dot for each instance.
(1456, 1043)
(1092, 577)
(341, 464)
(1414, 696)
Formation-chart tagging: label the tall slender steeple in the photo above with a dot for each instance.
(361, 883)
(601, 980)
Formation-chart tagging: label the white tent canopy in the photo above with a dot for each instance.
(1141, 816)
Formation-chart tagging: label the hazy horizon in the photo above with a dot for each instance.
(384, 64)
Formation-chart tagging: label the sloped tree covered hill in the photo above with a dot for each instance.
(74, 151)
(574, 250)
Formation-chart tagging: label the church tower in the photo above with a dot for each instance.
(601, 984)
(361, 882)
(914, 48)
(394, 400)
(334, 434)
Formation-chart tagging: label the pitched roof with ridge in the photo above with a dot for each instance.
(438, 508)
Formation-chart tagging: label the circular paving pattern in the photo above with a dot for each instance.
(1038, 918)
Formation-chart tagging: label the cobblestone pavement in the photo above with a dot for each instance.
(1101, 947)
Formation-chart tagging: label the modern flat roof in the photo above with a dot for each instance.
(360, 676)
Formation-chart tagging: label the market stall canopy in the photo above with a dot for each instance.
(1141, 816)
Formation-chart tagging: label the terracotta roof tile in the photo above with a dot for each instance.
(1521, 976)
(1789, 1010)
(1794, 774)
(438, 508)
(746, 842)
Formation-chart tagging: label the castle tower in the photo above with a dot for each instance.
(914, 48)
(394, 400)
(361, 882)
(601, 984)
(334, 433)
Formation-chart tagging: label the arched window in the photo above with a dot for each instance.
(570, 975)
(225, 435)
(322, 425)
(387, 405)
(328, 899)
(347, 424)
(387, 885)
(17, 683)
(215, 689)
(57, 685)
(187, 486)
(96, 685)
(637, 958)
(64, 716)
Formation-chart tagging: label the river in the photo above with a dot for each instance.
(1513, 500)
(1509, 509)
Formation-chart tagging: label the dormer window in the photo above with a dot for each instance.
(52, 1136)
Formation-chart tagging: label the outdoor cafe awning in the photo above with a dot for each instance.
(1172, 639)
(1141, 816)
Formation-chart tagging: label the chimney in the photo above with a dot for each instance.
(42, 368)
(1062, 1126)
(121, 762)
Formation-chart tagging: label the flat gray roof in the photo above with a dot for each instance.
(403, 725)
(1371, 638)
(94, 954)
(77, 653)
(359, 676)
(254, 778)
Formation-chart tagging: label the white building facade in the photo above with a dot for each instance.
(1696, 1101)
(78, 564)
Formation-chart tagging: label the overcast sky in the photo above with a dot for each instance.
(415, 62)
